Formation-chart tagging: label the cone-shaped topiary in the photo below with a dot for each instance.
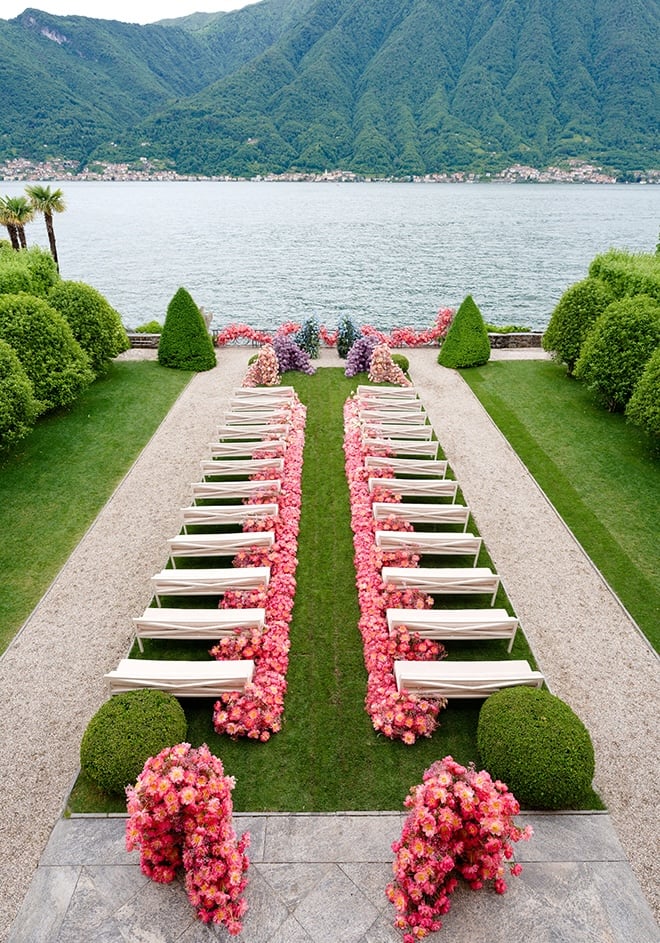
(466, 343)
(185, 344)
(125, 732)
(532, 741)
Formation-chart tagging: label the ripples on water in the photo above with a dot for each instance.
(385, 254)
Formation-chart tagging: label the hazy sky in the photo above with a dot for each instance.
(129, 11)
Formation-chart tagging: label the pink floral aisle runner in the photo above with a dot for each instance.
(396, 715)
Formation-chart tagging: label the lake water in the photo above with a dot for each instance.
(385, 254)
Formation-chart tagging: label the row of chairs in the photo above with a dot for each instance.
(257, 422)
(397, 436)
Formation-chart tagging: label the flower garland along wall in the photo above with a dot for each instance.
(395, 714)
(257, 712)
(399, 337)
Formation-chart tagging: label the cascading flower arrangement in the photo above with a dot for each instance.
(382, 368)
(290, 356)
(265, 369)
(358, 358)
(257, 712)
(396, 715)
(180, 814)
(460, 824)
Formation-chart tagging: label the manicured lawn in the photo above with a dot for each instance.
(54, 482)
(327, 756)
(594, 467)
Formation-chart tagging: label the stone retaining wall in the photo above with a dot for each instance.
(515, 339)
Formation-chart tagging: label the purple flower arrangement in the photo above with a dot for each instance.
(358, 359)
(291, 357)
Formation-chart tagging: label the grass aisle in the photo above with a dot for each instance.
(327, 757)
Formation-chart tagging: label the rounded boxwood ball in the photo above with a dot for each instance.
(533, 742)
(401, 361)
(125, 732)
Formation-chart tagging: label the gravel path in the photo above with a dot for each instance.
(51, 677)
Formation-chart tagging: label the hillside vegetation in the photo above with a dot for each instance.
(378, 87)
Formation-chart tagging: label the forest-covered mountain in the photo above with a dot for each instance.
(374, 86)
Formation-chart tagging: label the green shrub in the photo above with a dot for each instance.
(578, 309)
(31, 270)
(253, 359)
(347, 334)
(617, 349)
(125, 732)
(401, 361)
(49, 353)
(185, 343)
(42, 268)
(466, 343)
(308, 338)
(18, 407)
(151, 327)
(643, 407)
(95, 324)
(628, 273)
(14, 278)
(533, 742)
(507, 328)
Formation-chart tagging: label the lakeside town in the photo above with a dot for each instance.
(575, 171)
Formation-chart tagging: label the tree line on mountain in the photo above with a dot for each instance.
(377, 87)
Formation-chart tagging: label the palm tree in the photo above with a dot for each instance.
(19, 212)
(47, 201)
(7, 219)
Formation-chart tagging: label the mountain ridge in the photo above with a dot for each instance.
(377, 87)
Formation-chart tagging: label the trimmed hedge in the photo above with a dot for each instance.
(538, 746)
(44, 343)
(401, 362)
(628, 273)
(643, 407)
(95, 324)
(570, 322)
(466, 343)
(617, 349)
(32, 270)
(125, 732)
(18, 407)
(151, 327)
(185, 343)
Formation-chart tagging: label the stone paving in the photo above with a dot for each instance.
(321, 879)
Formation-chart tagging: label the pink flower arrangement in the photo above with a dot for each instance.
(180, 813)
(329, 338)
(234, 332)
(265, 370)
(396, 715)
(460, 823)
(382, 368)
(408, 337)
(257, 712)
